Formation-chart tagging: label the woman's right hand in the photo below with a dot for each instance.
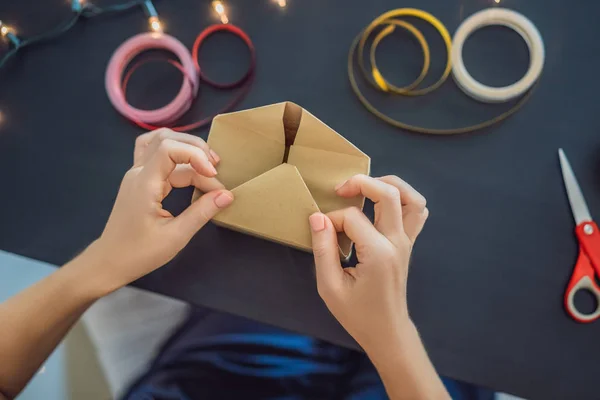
(369, 300)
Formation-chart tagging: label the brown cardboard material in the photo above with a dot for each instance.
(282, 165)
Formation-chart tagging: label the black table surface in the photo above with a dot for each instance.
(489, 271)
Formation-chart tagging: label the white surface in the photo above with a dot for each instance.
(504, 396)
(512, 20)
(127, 328)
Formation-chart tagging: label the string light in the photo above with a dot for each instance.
(220, 9)
(155, 24)
(153, 21)
(81, 9)
(282, 3)
(4, 30)
(8, 33)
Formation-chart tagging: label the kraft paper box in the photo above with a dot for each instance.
(282, 165)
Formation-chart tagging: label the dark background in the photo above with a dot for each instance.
(489, 271)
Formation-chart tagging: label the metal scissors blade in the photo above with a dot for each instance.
(580, 209)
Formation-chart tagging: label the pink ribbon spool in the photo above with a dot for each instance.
(121, 59)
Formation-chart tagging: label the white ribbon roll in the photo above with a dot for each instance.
(512, 20)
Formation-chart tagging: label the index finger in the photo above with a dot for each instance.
(387, 198)
(410, 197)
(414, 210)
(170, 153)
(147, 143)
(357, 226)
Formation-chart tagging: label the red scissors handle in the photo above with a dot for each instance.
(586, 268)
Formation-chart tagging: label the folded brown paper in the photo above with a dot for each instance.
(282, 165)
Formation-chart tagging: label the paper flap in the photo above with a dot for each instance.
(322, 170)
(249, 143)
(266, 121)
(315, 134)
(275, 205)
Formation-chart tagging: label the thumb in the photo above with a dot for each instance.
(326, 251)
(201, 211)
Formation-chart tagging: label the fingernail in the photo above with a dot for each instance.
(215, 156)
(317, 222)
(339, 185)
(223, 200)
(212, 170)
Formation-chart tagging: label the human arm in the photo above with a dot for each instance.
(369, 300)
(140, 236)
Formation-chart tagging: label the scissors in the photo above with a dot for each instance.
(587, 266)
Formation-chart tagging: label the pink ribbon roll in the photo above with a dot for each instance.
(121, 59)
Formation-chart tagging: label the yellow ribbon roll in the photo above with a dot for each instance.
(378, 78)
(387, 19)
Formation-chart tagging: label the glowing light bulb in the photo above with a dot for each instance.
(220, 9)
(155, 24)
(4, 30)
(8, 33)
(497, 1)
(282, 3)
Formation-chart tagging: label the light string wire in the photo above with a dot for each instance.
(80, 10)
